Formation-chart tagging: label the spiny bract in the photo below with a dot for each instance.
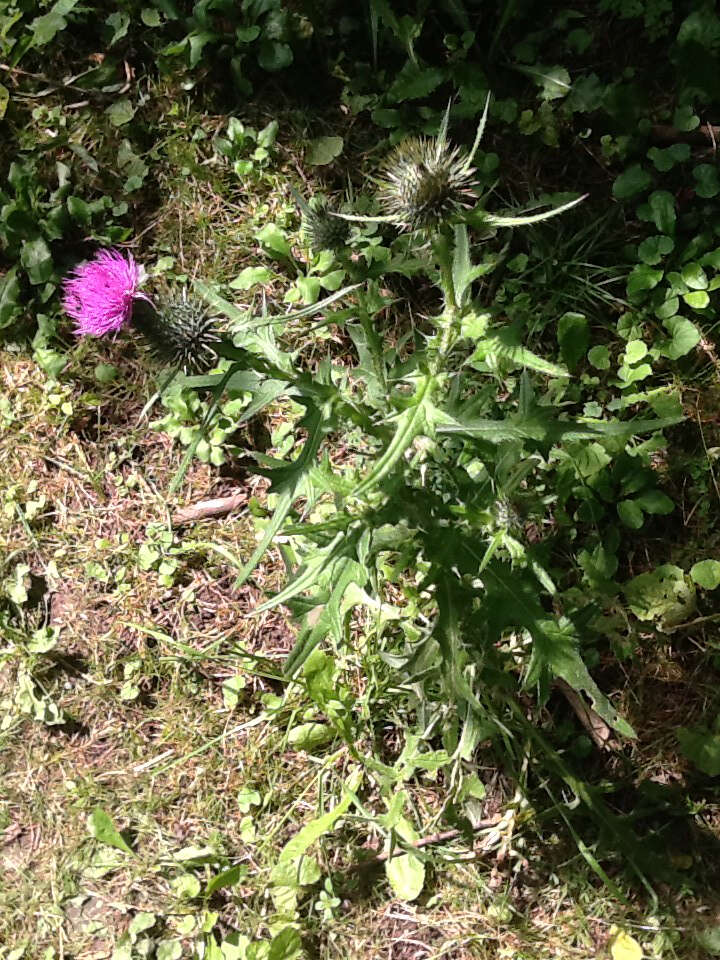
(423, 182)
(181, 333)
(322, 230)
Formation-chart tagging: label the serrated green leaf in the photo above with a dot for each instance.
(504, 345)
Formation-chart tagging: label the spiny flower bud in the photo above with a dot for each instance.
(321, 230)
(180, 333)
(424, 182)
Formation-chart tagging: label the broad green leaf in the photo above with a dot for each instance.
(664, 595)
(685, 118)
(708, 938)
(706, 573)
(9, 297)
(641, 279)
(103, 829)
(661, 204)
(169, 949)
(250, 277)
(599, 357)
(44, 28)
(414, 82)
(140, 923)
(118, 23)
(310, 736)
(150, 17)
(406, 875)
(120, 112)
(635, 351)
(694, 276)
(286, 945)
(274, 239)
(698, 299)
(685, 337)
(274, 56)
(703, 748)
(573, 333)
(632, 181)
(227, 878)
(554, 81)
(37, 260)
(324, 150)
(4, 100)
(630, 514)
(668, 309)
(655, 502)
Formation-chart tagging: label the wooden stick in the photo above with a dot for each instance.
(430, 840)
(706, 134)
(209, 508)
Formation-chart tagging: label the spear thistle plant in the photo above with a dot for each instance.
(445, 474)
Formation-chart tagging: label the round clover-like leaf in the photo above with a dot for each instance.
(642, 278)
(706, 574)
(652, 250)
(664, 160)
(707, 181)
(698, 299)
(694, 276)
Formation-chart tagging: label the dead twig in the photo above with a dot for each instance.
(596, 727)
(219, 507)
(431, 840)
(705, 135)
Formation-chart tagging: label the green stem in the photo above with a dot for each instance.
(442, 248)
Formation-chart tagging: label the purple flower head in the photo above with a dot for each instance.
(99, 294)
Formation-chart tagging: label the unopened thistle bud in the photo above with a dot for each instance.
(424, 182)
(321, 230)
(180, 333)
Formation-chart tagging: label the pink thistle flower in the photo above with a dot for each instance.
(99, 294)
